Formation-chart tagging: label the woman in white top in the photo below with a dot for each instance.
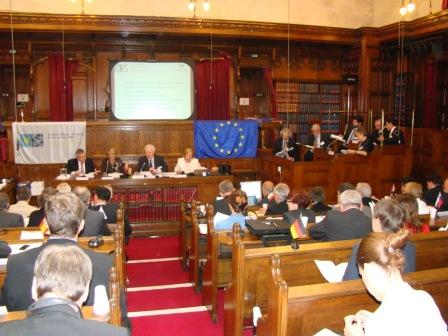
(403, 310)
(415, 189)
(187, 164)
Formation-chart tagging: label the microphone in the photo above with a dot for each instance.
(143, 166)
(192, 195)
(107, 166)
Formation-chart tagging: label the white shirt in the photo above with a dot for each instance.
(406, 311)
(22, 208)
(187, 167)
(82, 167)
(423, 208)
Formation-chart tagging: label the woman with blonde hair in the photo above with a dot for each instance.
(113, 164)
(403, 310)
(187, 164)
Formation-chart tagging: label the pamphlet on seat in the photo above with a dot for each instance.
(330, 271)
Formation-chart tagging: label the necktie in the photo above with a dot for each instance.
(82, 170)
(150, 163)
(285, 148)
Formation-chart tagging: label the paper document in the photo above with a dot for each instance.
(337, 137)
(19, 248)
(219, 217)
(107, 177)
(326, 332)
(330, 271)
(31, 235)
(203, 229)
(308, 146)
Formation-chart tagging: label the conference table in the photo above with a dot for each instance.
(152, 204)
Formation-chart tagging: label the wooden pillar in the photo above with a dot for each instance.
(368, 49)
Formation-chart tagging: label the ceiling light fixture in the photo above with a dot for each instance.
(191, 5)
(206, 5)
(411, 6)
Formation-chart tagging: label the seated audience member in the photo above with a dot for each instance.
(404, 180)
(8, 219)
(64, 214)
(225, 188)
(240, 199)
(285, 144)
(412, 222)
(81, 164)
(348, 223)
(403, 310)
(236, 215)
(317, 195)
(349, 134)
(341, 188)
(37, 217)
(102, 203)
(267, 192)
(365, 145)
(63, 188)
(388, 216)
(394, 134)
(367, 200)
(62, 274)
(434, 187)
(415, 189)
(151, 162)
(442, 198)
(23, 207)
(187, 164)
(113, 164)
(298, 205)
(95, 224)
(279, 205)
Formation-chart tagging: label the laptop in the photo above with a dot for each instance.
(263, 227)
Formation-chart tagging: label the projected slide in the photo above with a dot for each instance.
(152, 90)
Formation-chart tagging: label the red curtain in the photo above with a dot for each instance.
(272, 93)
(445, 4)
(430, 102)
(212, 89)
(61, 94)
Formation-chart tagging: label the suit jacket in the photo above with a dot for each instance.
(350, 224)
(58, 320)
(223, 207)
(367, 145)
(110, 209)
(10, 220)
(95, 225)
(320, 208)
(376, 134)
(278, 146)
(325, 138)
(430, 196)
(277, 208)
(116, 167)
(301, 212)
(16, 291)
(143, 164)
(395, 137)
(348, 132)
(352, 271)
(36, 217)
(72, 165)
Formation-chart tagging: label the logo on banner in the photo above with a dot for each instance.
(31, 140)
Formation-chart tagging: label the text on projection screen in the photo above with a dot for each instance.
(151, 90)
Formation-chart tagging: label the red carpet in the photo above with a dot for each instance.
(163, 299)
(153, 248)
(156, 273)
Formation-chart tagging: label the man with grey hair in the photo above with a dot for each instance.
(368, 200)
(81, 164)
(62, 274)
(7, 219)
(279, 205)
(225, 188)
(95, 224)
(317, 139)
(267, 191)
(348, 223)
(64, 214)
(151, 162)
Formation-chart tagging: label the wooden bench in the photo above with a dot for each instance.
(304, 310)
(251, 270)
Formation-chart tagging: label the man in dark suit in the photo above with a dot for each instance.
(267, 192)
(378, 132)
(36, 217)
(61, 284)
(279, 205)
(81, 164)
(225, 188)
(151, 162)
(64, 214)
(95, 224)
(317, 195)
(434, 185)
(7, 219)
(286, 145)
(349, 223)
(317, 140)
(101, 201)
(394, 134)
(349, 134)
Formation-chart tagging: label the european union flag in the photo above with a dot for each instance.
(225, 139)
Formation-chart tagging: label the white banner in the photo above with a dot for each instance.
(47, 142)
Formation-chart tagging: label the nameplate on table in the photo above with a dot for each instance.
(82, 178)
(107, 177)
(31, 235)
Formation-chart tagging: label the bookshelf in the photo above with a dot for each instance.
(401, 110)
(305, 103)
